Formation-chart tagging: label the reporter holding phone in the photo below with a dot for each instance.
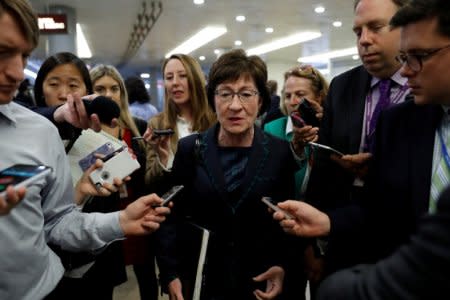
(47, 213)
(301, 83)
(186, 111)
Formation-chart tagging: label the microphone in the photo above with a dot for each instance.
(105, 108)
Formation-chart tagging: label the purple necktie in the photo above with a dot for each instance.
(384, 87)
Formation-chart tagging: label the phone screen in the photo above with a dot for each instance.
(18, 174)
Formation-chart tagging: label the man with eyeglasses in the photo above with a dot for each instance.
(411, 168)
(351, 110)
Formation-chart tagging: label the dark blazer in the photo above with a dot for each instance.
(330, 186)
(245, 240)
(400, 176)
(418, 270)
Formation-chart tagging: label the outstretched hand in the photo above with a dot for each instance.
(143, 216)
(308, 221)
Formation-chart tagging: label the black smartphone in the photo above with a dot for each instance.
(161, 132)
(297, 120)
(21, 175)
(308, 114)
(170, 194)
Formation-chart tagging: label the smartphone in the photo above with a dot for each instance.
(307, 113)
(21, 175)
(161, 132)
(269, 202)
(324, 147)
(170, 194)
(90, 159)
(297, 120)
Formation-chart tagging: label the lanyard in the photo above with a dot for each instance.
(444, 149)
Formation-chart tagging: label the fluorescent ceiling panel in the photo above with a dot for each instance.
(83, 50)
(297, 38)
(328, 55)
(199, 39)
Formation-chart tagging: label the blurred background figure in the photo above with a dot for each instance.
(24, 95)
(139, 99)
(274, 111)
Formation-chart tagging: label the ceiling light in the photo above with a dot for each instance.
(147, 86)
(201, 38)
(237, 43)
(240, 18)
(269, 29)
(337, 23)
(285, 42)
(202, 57)
(355, 57)
(328, 55)
(145, 75)
(83, 50)
(30, 73)
(319, 9)
(199, 2)
(216, 51)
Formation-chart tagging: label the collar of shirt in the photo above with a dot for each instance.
(289, 126)
(6, 111)
(397, 78)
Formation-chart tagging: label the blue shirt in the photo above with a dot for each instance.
(28, 268)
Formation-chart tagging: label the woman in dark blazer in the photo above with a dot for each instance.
(225, 172)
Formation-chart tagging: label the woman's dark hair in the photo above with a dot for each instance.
(136, 90)
(236, 64)
(52, 62)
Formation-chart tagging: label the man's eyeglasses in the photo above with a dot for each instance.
(227, 96)
(415, 60)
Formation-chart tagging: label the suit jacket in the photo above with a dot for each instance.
(245, 240)
(420, 269)
(330, 187)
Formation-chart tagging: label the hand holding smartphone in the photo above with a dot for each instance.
(170, 194)
(306, 113)
(268, 201)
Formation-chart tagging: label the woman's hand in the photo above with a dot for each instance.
(274, 277)
(175, 290)
(160, 143)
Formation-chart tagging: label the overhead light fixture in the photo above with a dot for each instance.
(319, 9)
(145, 75)
(269, 30)
(199, 2)
(328, 55)
(30, 73)
(240, 18)
(337, 23)
(237, 43)
(83, 50)
(297, 38)
(216, 51)
(199, 39)
(355, 57)
(202, 57)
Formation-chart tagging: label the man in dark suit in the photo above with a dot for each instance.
(410, 168)
(337, 183)
(418, 270)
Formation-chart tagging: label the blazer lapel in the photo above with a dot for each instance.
(423, 123)
(356, 102)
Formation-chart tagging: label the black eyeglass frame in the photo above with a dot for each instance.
(415, 60)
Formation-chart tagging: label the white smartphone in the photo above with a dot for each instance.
(117, 165)
(326, 148)
(170, 194)
(269, 203)
(21, 176)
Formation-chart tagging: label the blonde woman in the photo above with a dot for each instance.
(185, 111)
(139, 252)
